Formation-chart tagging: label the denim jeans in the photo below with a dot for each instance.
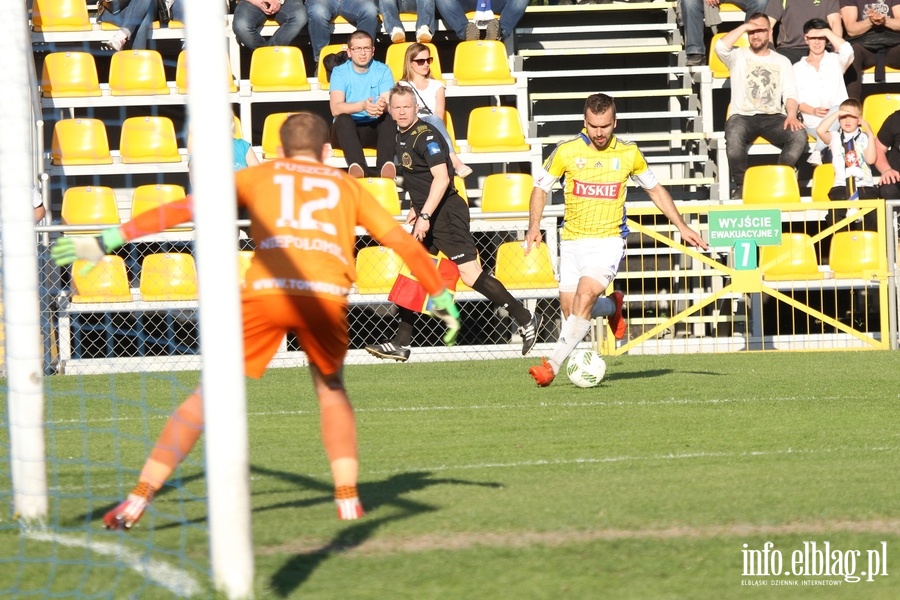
(741, 130)
(453, 13)
(137, 18)
(248, 21)
(361, 13)
(438, 125)
(692, 16)
(391, 9)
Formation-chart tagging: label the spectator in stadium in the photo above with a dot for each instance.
(358, 99)
(793, 16)
(453, 12)
(820, 79)
(430, 95)
(763, 99)
(440, 220)
(693, 16)
(314, 306)
(595, 166)
(853, 149)
(426, 21)
(874, 30)
(363, 14)
(134, 21)
(887, 146)
(251, 15)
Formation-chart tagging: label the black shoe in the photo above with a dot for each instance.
(389, 350)
(694, 60)
(529, 333)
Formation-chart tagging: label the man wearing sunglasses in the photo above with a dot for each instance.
(358, 98)
(764, 99)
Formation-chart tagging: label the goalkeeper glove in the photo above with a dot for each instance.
(445, 309)
(68, 249)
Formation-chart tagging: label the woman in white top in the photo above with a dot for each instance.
(430, 96)
(820, 79)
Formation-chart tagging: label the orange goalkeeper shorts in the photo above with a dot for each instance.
(320, 325)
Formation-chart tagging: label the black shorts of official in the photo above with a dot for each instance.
(450, 233)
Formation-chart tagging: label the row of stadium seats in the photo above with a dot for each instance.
(84, 141)
(852, 255)
(73, 74)
(172, 276)
(97, 205)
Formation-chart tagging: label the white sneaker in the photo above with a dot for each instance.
(117, 41)
(815, 158)
(423, 34)
(398, 36)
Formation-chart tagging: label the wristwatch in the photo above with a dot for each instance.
(425, 216)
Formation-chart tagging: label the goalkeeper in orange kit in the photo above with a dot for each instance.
(298, 281)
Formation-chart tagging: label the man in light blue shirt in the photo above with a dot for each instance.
(358, 99)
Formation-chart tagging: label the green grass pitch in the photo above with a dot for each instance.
(480, 485)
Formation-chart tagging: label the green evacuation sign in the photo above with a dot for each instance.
(745, 229)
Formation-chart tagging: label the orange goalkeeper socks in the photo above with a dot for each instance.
(178, 437)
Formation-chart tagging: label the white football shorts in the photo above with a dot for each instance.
(597, 258)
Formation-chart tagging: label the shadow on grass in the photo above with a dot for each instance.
(388, 492)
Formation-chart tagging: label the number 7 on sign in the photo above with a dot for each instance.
(745, 255)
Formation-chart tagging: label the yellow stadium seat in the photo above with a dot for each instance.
(764, 184)
(89, 205)
(377, 268)
(60, 15)
(878, 107)
(517, 270)
(168, 277)
(321, 74)
(507, 192)
(244, 259)
(80, 142)
(481, 62)
(451, 130)
(795, 258)
(137, 73)
(495, 129)
(396, 55)
(181, 75)
(718, 68)
(271, 140)
(69, 75)
(822, 182)
(384, 190)
(278, 69)
(460, 185)
(148, 140)
(151, 196)
(856, 255)
(107, 281)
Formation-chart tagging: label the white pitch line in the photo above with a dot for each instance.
(573, 461)
(401, 409)
(176, 580)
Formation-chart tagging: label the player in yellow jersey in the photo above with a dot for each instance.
(303, 216)
(596, 165)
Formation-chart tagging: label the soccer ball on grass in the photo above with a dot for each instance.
(586, 368)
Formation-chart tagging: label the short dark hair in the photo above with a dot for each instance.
(756, 15)
(852, 103)
(304, 132)
(359, 34)
(815, 24)
(599, 103)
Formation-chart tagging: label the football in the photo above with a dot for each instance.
(586, 368)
